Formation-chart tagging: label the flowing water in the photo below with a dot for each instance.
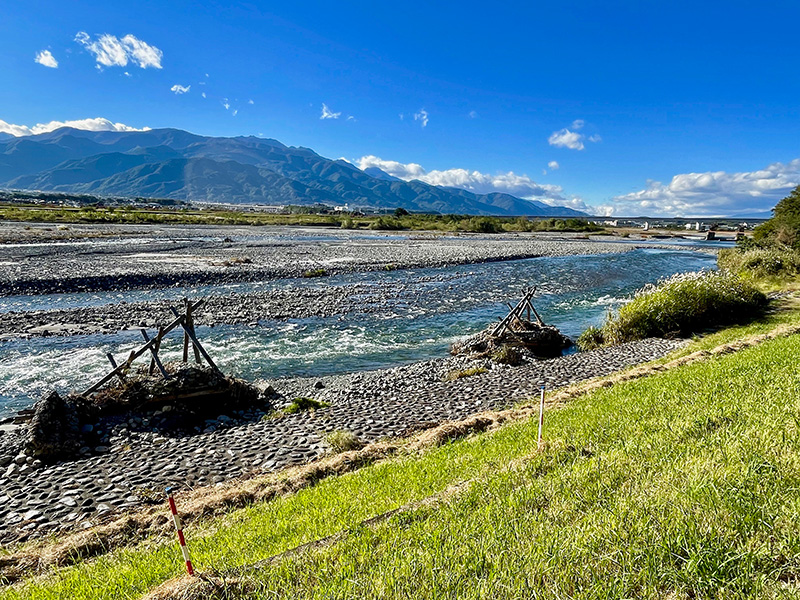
(423, 312)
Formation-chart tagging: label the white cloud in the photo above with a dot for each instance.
(203, 94)
(473, 114)
(226, 104)
(250, 101)
(570, 138)
(402, 116)
(110, 51)
(180, 89)
(96, 124)
(422, 117)
(235, 112)
(351, 118)
(46, 58)
(553, 165)
(564, 138)
(327, 113)
(141, 53)
(521, 186)
(713, 193)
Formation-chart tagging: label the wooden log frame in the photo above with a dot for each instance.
(197, 346)
(515, 312)
(152, 345)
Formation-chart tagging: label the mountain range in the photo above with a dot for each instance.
(171, 163)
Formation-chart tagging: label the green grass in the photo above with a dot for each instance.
(682, 485)
(315, 273)
(773, 264)
(342, 440)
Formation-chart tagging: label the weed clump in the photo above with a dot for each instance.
(461, 374)
(303, 404)
(315, 273)
(342, 440)
(507, 355)
(590, 339)
(678, 306)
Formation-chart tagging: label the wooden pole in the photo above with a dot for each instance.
(541, 417)
(114, 366)
(190, 327)
(196, 343)
(186, 335)
(154, 352)
(156, 347)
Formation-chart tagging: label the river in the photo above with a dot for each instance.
(428, 310)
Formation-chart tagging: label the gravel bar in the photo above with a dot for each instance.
(174, 256)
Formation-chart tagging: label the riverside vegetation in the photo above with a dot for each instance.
(678, 485)
(688, 303)
(401, 220)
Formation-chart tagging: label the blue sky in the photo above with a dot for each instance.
(674, 108)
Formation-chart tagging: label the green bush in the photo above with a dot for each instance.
(784, 226)
(453, 375)
(315, 273)
(480, 225)
(387, 224)
(775, 261)
(682, 304)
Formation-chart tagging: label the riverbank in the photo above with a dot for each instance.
(626, 454)
(133, 461)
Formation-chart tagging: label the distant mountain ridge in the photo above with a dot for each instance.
(171, 163)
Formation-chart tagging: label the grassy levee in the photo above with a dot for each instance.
(683, 484)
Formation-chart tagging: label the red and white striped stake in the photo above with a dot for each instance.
(177, 520)
(541, 416)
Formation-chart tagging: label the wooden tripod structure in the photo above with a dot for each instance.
(515, 312)
(152, 345)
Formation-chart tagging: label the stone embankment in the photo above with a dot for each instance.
(135, 459)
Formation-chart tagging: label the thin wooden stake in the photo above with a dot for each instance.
(155, 358)
(190, 326)
(114, 366)
(186, 335)
(541, 417)
(196, 343)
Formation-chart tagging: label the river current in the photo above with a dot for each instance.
(425, 312)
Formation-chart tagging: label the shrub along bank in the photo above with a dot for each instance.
(679, 306)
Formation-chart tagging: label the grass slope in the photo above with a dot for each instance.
(682, 485)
